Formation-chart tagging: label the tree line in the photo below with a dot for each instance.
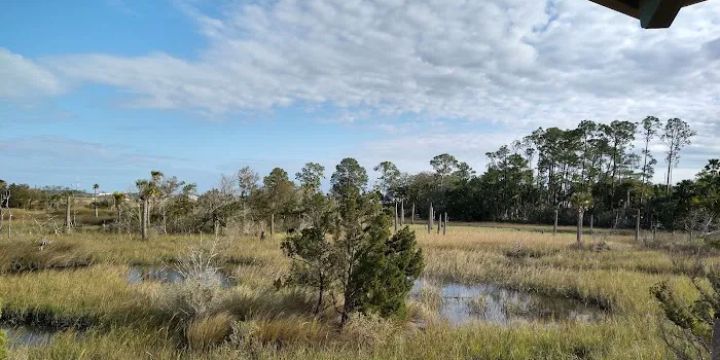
(548, 176)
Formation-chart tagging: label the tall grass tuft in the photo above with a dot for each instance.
(209, 331)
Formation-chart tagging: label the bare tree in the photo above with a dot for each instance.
(68, 207)
(650, 127)
(247, 183)
(677, 135)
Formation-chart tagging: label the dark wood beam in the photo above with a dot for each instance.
(630, 8)
(653, 14)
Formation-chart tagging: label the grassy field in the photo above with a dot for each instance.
(79, 283)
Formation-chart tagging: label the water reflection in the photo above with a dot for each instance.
(19, 336)
(461, 303)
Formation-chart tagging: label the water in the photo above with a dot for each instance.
(492, 304)
(167, 275)
(23, 336)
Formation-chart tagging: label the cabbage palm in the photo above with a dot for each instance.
(582, 201)
(148, 190)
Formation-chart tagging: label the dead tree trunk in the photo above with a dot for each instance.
(272, 225)
(637, 226)
(439, 225)
(396, 216)
(429, 220)
(164, 219)
(432, 216)
(402, 212)
(581, 215)
(555, 224)
(68, 220)
(144, 217)
(445, 222)
(216, 227)
(592, 222)
(412, 215)
(654, 228)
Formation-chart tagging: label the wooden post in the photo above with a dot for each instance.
(68, 221)
(637, 226)
(555, 224)
(592, 222)
(439, 225)
(402, 212)
(445, 224)
(412, 216)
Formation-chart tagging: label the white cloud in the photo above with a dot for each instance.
(504, 60)
(22, 78)
(412, 153)
(520, 63)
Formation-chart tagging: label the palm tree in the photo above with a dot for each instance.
(582, 201)
(118, 199)
(148, 190)
(95, 193)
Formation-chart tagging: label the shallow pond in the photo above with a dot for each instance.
(461, 304)
(169, 275)
(19, 336)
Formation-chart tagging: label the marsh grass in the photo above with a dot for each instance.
(206, 332)
(254, 320)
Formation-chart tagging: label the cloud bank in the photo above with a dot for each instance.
(518, 63)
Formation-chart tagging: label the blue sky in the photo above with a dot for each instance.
(104, 91)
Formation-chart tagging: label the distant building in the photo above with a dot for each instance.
(653, 14)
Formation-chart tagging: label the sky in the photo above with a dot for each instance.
(103, 91)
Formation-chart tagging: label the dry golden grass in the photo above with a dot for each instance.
(209, 331)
